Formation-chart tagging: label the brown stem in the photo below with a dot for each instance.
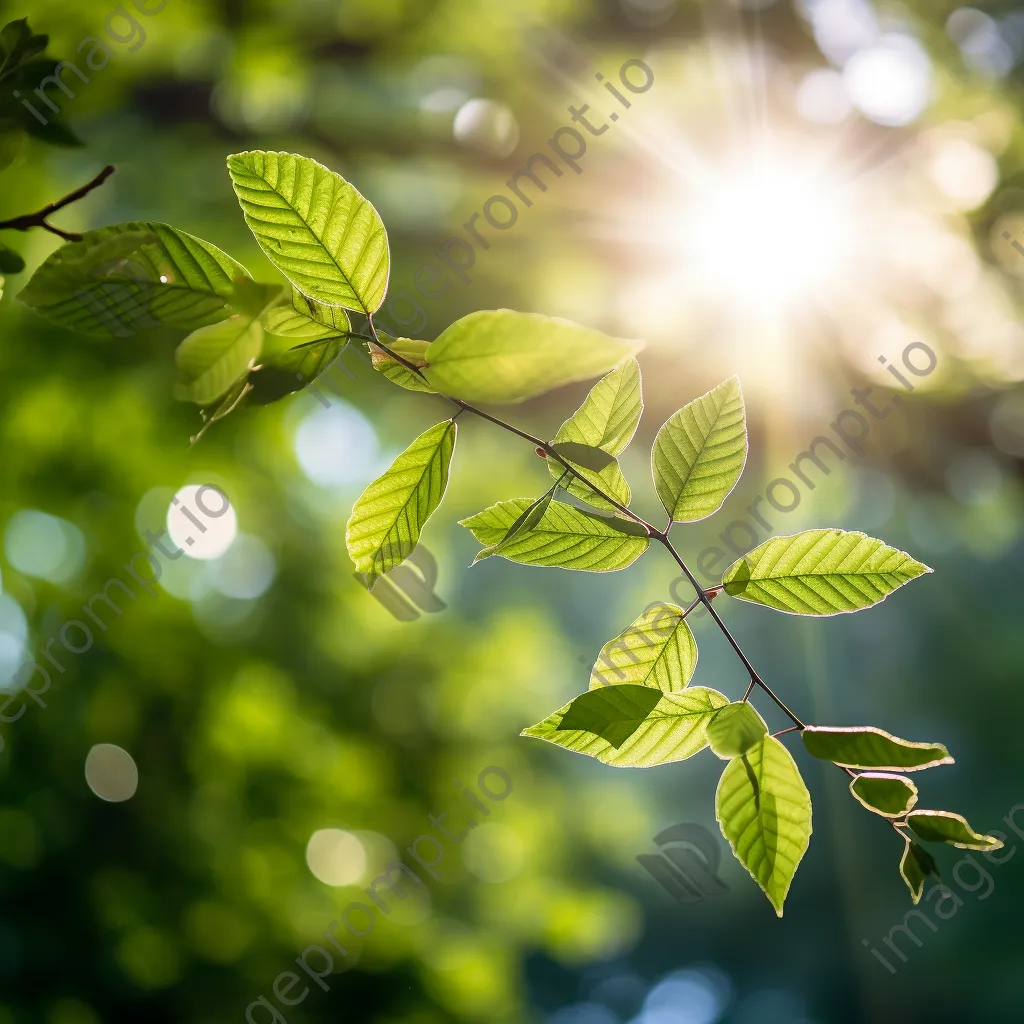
(39, 219)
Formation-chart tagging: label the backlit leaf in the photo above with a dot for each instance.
(672, 731)
(916, 865)
(314, 227)
(504, 356)
(764, 810)
(699, 453)
(889, 795)
(865, 747)
(305, 319)
(213, 358)
(947, 827)
(386, 521)
(600, 429)
(656, 650)
(412, 351)
(735, 729)
(821, 572)
(127, 278)
(566, 537)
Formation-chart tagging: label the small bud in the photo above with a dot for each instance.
(543, 454)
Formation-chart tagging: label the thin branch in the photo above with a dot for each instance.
(535, 441)
(663, 539)
(40, 219)
(703, 597)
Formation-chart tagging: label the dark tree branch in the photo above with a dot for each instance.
(40, 219)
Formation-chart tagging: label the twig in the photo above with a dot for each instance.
(704, 597)
(40, 219)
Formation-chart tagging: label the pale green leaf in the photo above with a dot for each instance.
(764, 810)
(386, 521)
(599, 430)
(865, 747)
(504, 356)
(127, 278)
(213, 358)
(916, 865)
(314, 227)
(673, 729)
(735, 729)
(888, 795)
(656, 650)
(566, 537)
(821, 572)
(412, 351)
(947, 827)
(529, 519)
(304, 319)
(700, 452)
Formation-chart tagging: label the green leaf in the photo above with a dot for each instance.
(614, 713)
(213, 358)
(10, 261)
(409, 349)
(227, 405)
(656, 650)
(865, 747)
(18, 44)
(504, 356)
(314, 227)
(387, 519)
(530, 518)
(127, 278)
(888, 795)
(600, 429)
(916, 865)
(700, 452)
(582, 455)
(947, 827)
(25, 76)
(821, 572)
(566, 537)
(285, 367)
(764, 810)
(253, 298)
(305, 319)
(672, 731)
(735, 730)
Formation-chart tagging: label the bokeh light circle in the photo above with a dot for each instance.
(202, 521)
(111, 773)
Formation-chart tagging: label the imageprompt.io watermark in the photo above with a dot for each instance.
(687, 866)
(404, 593)
(969, 876)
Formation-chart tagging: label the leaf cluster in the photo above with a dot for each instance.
(256, 341)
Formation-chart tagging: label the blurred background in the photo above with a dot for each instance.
(807, 186)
